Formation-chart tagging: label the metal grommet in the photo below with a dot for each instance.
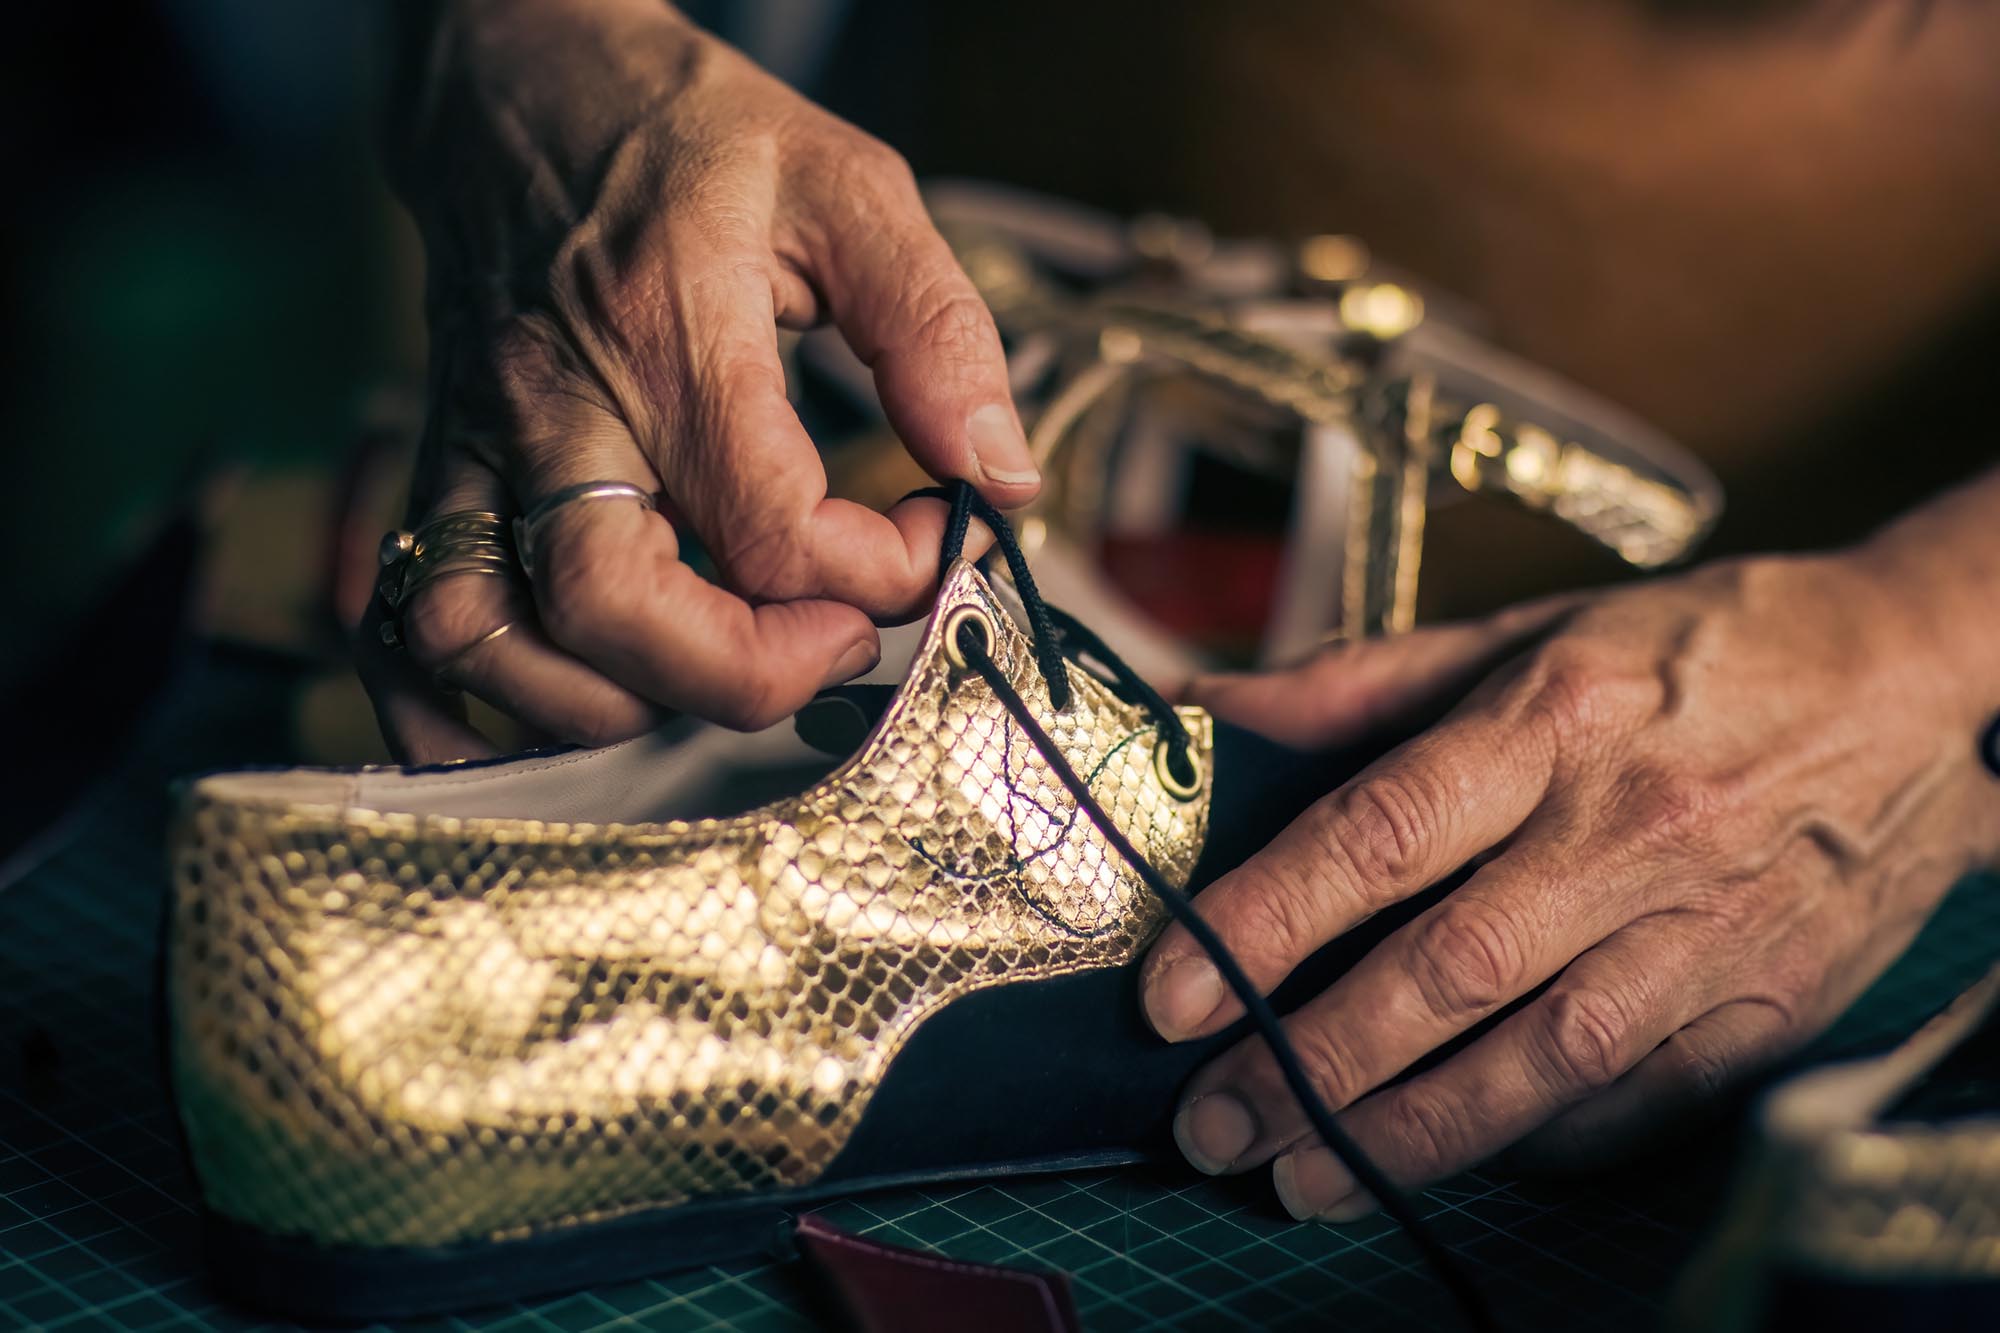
(969, 614)
(1163, 769)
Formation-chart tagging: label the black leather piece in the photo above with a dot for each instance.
(1070, 1065)
(837, 721)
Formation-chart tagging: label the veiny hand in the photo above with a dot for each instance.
(1705, 811)
(620, 213)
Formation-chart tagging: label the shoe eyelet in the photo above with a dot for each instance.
(1163, 769)
(969, 614)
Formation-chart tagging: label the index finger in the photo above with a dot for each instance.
(610, 587)
(1401, 825)
(738, 463)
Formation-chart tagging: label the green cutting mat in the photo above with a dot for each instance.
(98, 1221)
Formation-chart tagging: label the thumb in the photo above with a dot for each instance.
(1351, 691)
(900, 299)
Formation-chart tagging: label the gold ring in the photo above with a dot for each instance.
(442, 674)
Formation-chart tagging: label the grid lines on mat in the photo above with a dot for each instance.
(99, 1224)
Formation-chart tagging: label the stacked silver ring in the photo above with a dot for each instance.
(476, 541)
(464, 541)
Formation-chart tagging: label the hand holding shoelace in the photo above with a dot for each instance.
(1703, 813)
(620, 212)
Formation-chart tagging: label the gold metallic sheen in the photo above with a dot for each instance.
(1862, 1196)
(960, 616)
(1916, 1201)
(401, 1029)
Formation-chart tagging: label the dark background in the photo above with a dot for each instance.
(200, 270)
(1774, 229)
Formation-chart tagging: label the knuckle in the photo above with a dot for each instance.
(880, 163)
(1576, 685)
(443, 620)
(1328, 1065)
(1669, 806)
(1428, 1130)
(712, 186)
(513, 391)
(769, 562)
(952, 321)
(736, 394)
(585, 587)
(1590, 1036)
(1468, 959)
(741, 382)
(1279, 917)
(1699, 1070)
(1794, 973)
(1568, 691)
(749, 702)
(859, 185)
(1379, 827)
(530, 357)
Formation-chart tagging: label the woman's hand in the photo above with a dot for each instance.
(1705, 811)
(620, 213)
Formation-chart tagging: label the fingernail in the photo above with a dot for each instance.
(1181, 996)
(1351, 1209)
(999, 447)
(861, 658)
(1314, 1186)
(1213, 1131)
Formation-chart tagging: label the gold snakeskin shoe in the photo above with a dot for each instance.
(443, 1037)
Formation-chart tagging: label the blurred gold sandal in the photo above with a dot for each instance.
(1871, 1199)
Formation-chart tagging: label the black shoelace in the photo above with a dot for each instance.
(1051, 632)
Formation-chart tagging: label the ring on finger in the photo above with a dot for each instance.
(442, 674)
(527, 528)
(464, 541)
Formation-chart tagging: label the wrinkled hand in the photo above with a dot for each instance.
(620, 213)
(1705, 811)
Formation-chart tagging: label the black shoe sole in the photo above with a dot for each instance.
(297, 1279)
